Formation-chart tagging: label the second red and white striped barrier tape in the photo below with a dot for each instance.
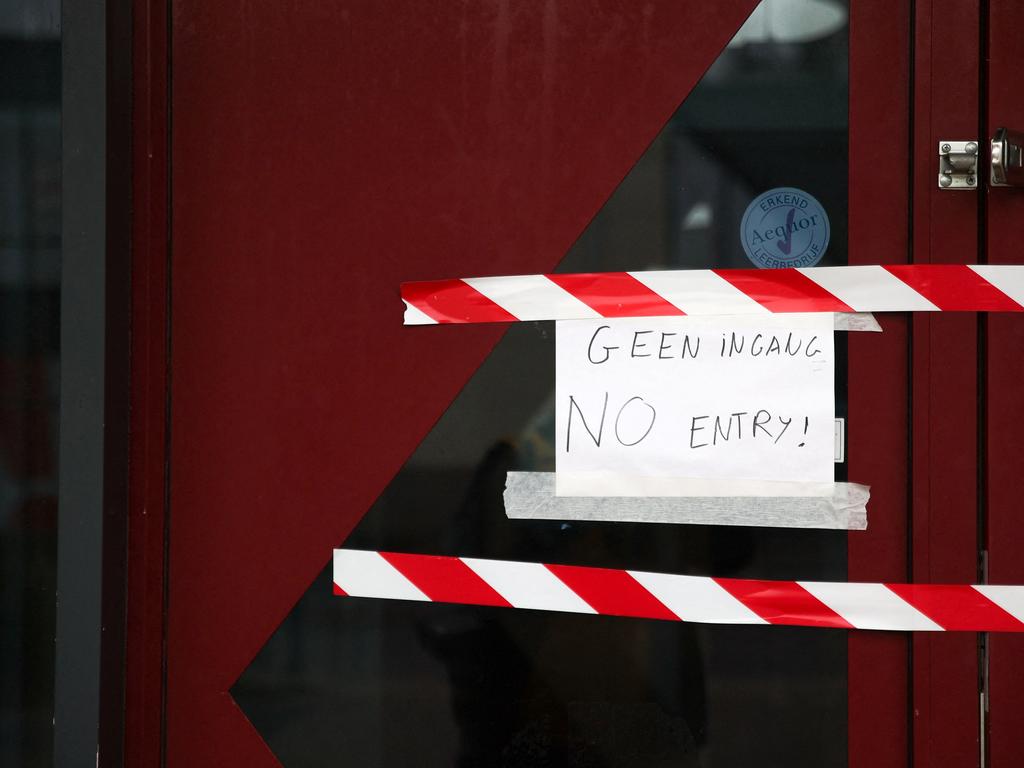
(890, 288)
(613, 592)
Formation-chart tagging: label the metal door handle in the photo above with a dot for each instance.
(1007, 159)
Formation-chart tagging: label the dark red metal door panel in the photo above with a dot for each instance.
(1004, 212)
(879, 407)
(322, 154)
(944, 391)
(144, 658)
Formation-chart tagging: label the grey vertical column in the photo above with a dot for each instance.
(82, 386)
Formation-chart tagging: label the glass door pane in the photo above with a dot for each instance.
(368, 683)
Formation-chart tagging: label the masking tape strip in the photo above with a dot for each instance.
(614, 592)
(855, 321)
(889, 288)
(606, 483)
(531, 496)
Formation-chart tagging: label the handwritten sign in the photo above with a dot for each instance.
(705, 398)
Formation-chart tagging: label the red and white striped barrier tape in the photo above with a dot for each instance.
(890, 288)
(575, 589)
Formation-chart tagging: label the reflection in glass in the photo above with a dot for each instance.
(29, 374)
(372, 683)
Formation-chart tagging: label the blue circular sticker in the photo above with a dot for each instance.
(784, 227)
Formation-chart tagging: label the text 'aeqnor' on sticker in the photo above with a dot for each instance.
(784, 227)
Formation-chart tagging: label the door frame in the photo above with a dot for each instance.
(1002, 338)
(95, 301)
(880, 124)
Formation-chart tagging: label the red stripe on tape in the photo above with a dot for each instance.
(783, 290)
(339, 591)
(954, 287)
(615, 294)
(612, 592)
(783, 602)
(453, 301)
(445, 579)
(957, 607)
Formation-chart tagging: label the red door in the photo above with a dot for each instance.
(298, 163)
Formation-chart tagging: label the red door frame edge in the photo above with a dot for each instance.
(944, 357)
(1004, 459)
(145, 589)
(878, 421)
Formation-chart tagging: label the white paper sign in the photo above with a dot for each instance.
(646, 405)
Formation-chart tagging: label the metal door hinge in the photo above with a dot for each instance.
(958, 164)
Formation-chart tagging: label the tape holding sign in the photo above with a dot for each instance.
(646, 406)
(531, 496)
(670, 597)
(889, 288)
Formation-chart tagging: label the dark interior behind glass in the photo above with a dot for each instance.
(30, 265)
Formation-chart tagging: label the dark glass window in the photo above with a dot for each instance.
(30, 259)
